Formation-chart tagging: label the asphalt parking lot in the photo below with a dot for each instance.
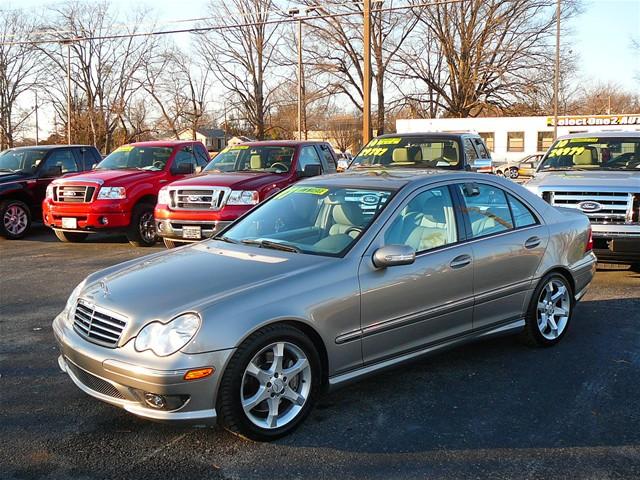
(488, 410)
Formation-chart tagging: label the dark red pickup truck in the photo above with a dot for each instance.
(237, 179)
(121, 192)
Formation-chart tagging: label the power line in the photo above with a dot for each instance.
(234, 26)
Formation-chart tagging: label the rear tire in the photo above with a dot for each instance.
(71, 237)
(255, 381)
(551, 306)
(142, 231)
(15, 219)
(513, 173)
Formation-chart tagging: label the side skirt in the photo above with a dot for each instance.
(367, 370)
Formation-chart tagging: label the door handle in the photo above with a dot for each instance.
(532, 242)
(460, 261)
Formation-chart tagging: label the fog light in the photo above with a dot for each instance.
(104, 220)
(160, 226)
(155, 401)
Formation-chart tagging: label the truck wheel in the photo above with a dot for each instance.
(171, 243)
(73, 237)
(142, 231)
(270, 384)
(16, 219)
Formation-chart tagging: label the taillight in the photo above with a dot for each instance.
(589, 246)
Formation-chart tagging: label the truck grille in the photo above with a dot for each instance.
(613, 206)
(73, 193)
(198, 198)
(97, 325)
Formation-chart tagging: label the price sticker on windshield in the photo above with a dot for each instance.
(304, 190)
(564, 151)
(124, 148)
(384, 141)
(373, 152)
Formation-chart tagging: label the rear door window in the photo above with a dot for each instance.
(469, 151)
(486, 208)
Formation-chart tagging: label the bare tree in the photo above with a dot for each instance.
(18, 67)
(492, 49)
(336, 49)
(243, 56)
(345, 131)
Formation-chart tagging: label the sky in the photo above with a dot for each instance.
(600, 36)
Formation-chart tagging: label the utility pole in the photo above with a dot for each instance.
(68, 44)
(36, 111)
(366, 81)
(556, 80)
(302, 110)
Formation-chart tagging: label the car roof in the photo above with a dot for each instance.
(431, 134)
(283, 143)
(395, 178)
(164, 143)
(49, 147)
(603, 134)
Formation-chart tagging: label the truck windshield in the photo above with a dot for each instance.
(314, 219)
(25, 160)
(132, 157)
(409, 152)
(249, 158)
(595, 153)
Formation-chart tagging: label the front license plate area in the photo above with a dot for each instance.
(71, 223)
(192, 232)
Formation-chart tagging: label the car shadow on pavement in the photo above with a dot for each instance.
(41, 233)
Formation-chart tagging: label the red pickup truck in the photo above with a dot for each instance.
(120, 193)
(238, 178)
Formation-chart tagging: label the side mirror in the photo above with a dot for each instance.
(184, 168)
(52, 171)
(394, 255)
(312, 170)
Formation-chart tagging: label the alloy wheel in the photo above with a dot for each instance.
(147, 227)
(15, 220)
(554, 306)
(275, 385)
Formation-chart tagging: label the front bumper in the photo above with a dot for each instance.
(617, 243)
(173, 229)
(122, 377)
(90, 217)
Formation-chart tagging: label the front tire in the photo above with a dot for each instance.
(142, 231)
(15, 219)
(549, 312)
(71, 237)
(270, 384)
(513, 173)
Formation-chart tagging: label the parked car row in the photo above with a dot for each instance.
(171, 190)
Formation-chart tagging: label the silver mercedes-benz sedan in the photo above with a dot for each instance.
(330, 280)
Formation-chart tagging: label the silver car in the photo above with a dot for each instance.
(330, 280)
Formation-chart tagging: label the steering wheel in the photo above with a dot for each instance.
(358, 230)
(282, 166)
(158, 164)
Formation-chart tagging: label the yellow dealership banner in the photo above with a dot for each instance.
(595, 120)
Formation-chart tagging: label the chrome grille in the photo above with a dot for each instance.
(97, 325)
(614, 205)
(73, 193)
(94, 383)
(198, 198)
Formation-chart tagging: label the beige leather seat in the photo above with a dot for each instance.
(346, 216)
(255, 162)
(584, 158)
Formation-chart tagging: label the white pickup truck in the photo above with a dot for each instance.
(599, 174)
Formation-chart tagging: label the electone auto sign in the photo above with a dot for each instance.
(595, 120)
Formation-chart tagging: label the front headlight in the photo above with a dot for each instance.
(163, 196)
(112, 193)
(73, 299)
(163, 339)
(243, 197)
(49, 191)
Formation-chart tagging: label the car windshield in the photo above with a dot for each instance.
(595, 153)
(133, 157)
(247, 158)
(24, 160)
(409, 152)
(312, 219)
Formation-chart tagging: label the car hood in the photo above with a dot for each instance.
(233, 180)
(9, 177)
(193, 278)
(619, 181)
(109, 177)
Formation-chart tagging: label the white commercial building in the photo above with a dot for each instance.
(512, 138)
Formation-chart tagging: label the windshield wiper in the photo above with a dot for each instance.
(224, 238)
(7, 170)
(273, 245)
